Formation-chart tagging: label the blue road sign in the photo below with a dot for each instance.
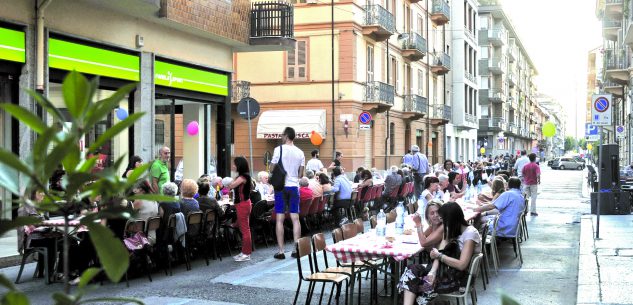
(590, 129)
(601, 104)
(364, 117)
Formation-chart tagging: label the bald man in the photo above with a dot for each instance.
(159, 171)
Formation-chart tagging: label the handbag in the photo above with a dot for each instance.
(450, 279)
(278, 176)
(136, 241)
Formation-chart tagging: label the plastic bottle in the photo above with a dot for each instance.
(400, 218)
(468, 193)
(479, 187)
(381, 224)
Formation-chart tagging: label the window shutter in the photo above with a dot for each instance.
(297, 62)
(301, 59)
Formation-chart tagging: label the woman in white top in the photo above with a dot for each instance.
(431, 186)
(145, 208)
(263, 186)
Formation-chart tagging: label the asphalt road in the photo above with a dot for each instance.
(548, 274)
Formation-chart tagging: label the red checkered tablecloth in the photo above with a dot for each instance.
(368, 246)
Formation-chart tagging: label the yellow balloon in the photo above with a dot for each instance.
(482, 150)
(549, 129)
(589, 146)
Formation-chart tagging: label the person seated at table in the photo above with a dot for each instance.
(431, 185)
(188, 188)
(167, 208)
(510, 205)
(448, 167)
(453, 186)
(203, 178)
(357, 177)
(432, 236)
(443, 185)
(343, 189)
(216, 187)
(460, 242)
(314, 185)
(392, 181)
(263, 184)
(144, 208)
(305, 193)
(208, 203)
(325, 184)
(366, 181)
(406, 174)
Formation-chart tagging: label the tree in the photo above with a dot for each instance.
(570, 143)
(582, 143)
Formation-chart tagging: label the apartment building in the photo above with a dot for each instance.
(555, 146)
(617, 33)
(507, 91)
(390, 58)
(179, 52)
(461, 131)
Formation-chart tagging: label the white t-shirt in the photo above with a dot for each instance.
(521, 162)
(292, 159)
(470, 234)
(314, 165)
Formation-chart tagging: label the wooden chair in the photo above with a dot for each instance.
(360, 226)
(303, 248)
(209, 234)
(153, 225)
(373, 222)
(470, 284)
(391, 216)
(131, 228)
(349, 230)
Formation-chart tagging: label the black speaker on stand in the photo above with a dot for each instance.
(612, 200)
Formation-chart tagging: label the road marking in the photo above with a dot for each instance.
(531, 270)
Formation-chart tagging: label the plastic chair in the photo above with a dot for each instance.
(42, 253)
(194, 227)
(470, 284)
(492, 241)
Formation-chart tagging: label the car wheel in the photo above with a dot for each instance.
(580, 168)
(562, 167)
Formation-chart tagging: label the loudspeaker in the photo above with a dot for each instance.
(616, 203)
(609, 175)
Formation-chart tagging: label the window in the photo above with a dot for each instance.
(392, 138)
(159, 134)
(393, 74)
(370, 64)
(420, 25)
(297, 62)
(418, 137)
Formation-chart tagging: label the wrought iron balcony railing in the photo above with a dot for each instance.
(378, 15)
(272, 19)
(379, 92)
(415, 41)
(442, 59)
(470, 118)
(240, 89)
(443, 112)
(441, 7)
(416, 103)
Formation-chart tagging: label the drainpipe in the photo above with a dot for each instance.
(39, 21)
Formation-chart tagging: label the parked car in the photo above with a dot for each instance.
(580, 160)
(567, 163)
(626, 178)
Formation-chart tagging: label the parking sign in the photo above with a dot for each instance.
(601, 109)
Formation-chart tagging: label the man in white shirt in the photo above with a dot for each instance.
(315, 164)
(293, 162)
(520, 163)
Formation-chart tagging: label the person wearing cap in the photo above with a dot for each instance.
(420, 168)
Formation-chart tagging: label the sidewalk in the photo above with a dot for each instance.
(605, 275)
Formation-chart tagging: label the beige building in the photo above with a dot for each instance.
(391, 59)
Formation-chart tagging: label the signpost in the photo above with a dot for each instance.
(248, 108)
(364, 118)
(591, 133)
(600, 116)
(619, 132)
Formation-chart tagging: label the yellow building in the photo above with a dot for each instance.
(402, 86)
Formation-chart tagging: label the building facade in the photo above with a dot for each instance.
(179, 53)
(461, 131)
(388, 58)
(507, 90)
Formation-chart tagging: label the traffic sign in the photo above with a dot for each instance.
(248, 108)
(364, 127)
(601, 109)
(590, 129)
(364, 117)
(619, 131)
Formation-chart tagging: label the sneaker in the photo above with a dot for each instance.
(235, 257)
(294, 254)
(280, 256)
(243, 258)
(533, 214)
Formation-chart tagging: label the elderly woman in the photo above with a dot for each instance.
(188, 189)
(263, 186)
(305, 193)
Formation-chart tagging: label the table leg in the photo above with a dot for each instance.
(394, 281)
(351, 287)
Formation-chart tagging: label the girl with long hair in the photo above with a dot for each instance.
(243, 184)
(135, 161)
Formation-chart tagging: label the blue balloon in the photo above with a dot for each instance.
(121, 114)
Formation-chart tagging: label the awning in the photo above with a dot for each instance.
(273, 122)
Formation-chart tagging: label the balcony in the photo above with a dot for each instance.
(493, 124)
(441, 63)
(415, 107)
(272, 26)
(441, 114)
(240, 89)
(488, 96)
(512, 79)
(512, 129)
(513, 53)
(512, 103)
(610, 28)
(414, 47)
(379, 23)
(469, 76)
(495, 37)
(614, 8)
(617, 67)
(378, 96)
(614, 88)
(441, 12)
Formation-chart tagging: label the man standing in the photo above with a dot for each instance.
(509, 205)
(531, 180)
(293, 162)
(519, 164)
(420, 168)
(315, 164)
(159, 171)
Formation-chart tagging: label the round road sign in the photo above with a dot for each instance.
(619, 129)
(601, 104)
(364, 117)
(247, 105)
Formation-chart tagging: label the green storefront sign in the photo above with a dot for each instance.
(175, 76)
(12, 45)
(70, 56)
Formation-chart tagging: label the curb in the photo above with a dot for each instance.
(588, 269)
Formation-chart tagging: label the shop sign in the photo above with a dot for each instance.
(12, 45)
(71, 56)
(298, 135)
(181, 77)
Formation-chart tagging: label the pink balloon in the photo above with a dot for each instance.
(192, 128)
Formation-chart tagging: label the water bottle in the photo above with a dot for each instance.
(468, 194)
(400, 218)
(421, 205)
(479, 187)
(381, 224)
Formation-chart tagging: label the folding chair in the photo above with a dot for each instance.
(470, 284)
(194, 227)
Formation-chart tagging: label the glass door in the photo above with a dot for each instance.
(8, 241)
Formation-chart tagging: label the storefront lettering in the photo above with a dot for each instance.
(170, 78)
(298, 135)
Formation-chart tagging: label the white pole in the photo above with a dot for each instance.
(600, 158)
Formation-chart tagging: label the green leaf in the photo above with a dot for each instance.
(72, 157)
(25, 116)
(78, 180)
(506, 300)
(100, 109)
(63, 299)
(114, 130)
(6, 283)
(88, 164)
(11, 160)
(112, 299)
(152, 197)
(77, 93)
(138, 172)
(7, 225)
(46, 104)
(87, 276)
(112, 254)
(55, 157)
(15, 298)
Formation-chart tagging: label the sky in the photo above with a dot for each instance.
(558, 35)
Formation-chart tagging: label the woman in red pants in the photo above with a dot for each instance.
(243, 185)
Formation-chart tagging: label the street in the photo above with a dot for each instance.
(548, 275)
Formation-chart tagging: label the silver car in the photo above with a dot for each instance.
(566, 163)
